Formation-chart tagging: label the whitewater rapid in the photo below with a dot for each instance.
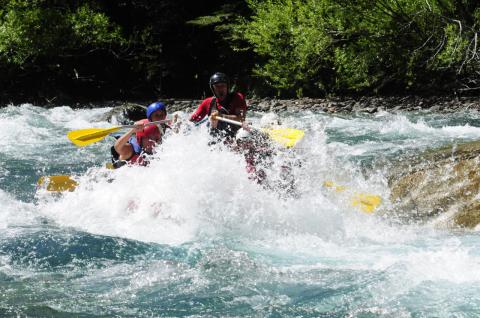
(192, 235)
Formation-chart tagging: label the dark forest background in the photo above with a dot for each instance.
(68, 51)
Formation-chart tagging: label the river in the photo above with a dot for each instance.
(192, 236)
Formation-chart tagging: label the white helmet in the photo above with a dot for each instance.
(242, 134)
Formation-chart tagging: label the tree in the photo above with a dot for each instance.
(321, 46)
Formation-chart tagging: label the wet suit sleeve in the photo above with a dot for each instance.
(201, 111)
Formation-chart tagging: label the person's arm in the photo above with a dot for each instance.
(201, 111)
(239, 109)
(122, 147)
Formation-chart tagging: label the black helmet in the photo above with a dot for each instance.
(218, 78)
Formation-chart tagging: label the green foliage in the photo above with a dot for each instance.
(367, 45)
(291, 41)
(90, 27)
(217, 17)
(454, 49)
(31, 29)
(282, 47)
(22, 30)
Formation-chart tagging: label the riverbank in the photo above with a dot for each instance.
(440, 104)
(368, 104)
(134, 110)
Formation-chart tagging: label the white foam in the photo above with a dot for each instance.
(15, 213)
(189, 189)
(18, 129)
(192, 192)
(450, 262)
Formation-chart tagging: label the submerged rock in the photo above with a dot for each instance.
(442, 184)
(124, 114)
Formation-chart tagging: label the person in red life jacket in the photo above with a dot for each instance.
(133, 146)
(230, 105)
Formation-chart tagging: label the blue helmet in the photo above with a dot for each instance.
(154, 107)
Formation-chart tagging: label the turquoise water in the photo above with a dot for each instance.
(192, 236)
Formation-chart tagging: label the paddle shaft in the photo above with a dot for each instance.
(84, 137)
(287, 137)
(230, 121)
(147, 124)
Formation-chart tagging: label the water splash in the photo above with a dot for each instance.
(192, 235)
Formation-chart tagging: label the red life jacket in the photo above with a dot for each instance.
(139, 156)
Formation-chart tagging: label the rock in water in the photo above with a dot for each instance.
(444, 184)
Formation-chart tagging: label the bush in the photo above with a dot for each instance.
(320, 46)
(33, 29)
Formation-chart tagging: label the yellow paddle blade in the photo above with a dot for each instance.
(58, 183)
(366, 202)
(331, 184)
(84, 137)
(288, 137)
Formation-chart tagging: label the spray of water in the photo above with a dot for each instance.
(236, 237)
